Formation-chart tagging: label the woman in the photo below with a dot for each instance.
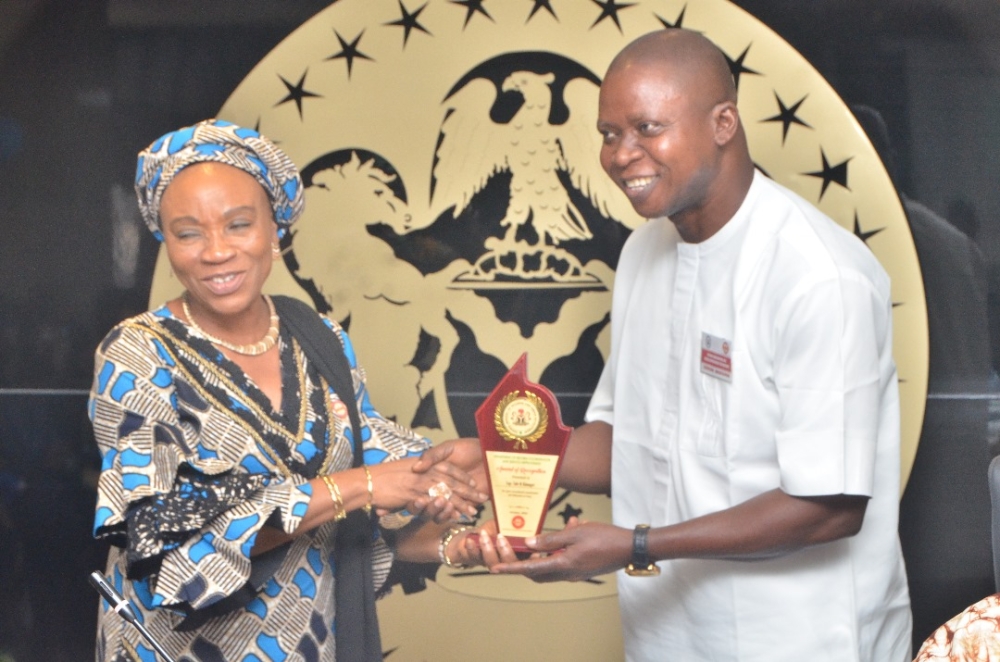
(231, 488)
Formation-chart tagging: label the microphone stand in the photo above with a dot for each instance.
(124, 609)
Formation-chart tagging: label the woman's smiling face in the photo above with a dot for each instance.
(218, 230)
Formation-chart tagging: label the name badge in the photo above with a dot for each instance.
(716, 360)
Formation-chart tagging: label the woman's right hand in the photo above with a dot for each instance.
(395, 486)
(464, 454)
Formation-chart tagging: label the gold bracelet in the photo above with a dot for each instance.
(446, 539)
(371, 490)
(338, 500)
(395, 520)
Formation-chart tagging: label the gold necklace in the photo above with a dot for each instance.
(267, 342)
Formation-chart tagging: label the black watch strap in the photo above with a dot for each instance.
(641, 566)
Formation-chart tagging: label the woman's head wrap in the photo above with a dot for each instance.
(222, 142)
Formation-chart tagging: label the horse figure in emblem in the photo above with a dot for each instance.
(398, 328)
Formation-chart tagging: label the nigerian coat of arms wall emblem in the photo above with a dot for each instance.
(457, 216)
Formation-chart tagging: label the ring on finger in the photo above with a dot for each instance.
(440, 489)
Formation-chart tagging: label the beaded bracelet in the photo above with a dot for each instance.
(338, 501)
(371, 490)
(446, 539)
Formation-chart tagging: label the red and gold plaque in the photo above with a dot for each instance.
(523, 441)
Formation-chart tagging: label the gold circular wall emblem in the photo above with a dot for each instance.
(428, 133)
(522, 419)
(457, 217)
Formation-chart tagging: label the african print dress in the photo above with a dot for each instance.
(194, 463)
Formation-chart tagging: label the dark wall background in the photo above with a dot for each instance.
(84, 84)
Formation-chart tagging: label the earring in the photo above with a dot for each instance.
(275, 252)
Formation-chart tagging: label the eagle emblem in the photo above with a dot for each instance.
(532, 132)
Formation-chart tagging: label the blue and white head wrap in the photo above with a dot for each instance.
(221, 142)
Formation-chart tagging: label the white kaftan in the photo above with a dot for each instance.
(758, 359)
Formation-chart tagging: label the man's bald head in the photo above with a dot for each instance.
(688, 57)
(672, 136)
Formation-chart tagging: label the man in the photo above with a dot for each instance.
(748, 412)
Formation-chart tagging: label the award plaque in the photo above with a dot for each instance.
(523, 440)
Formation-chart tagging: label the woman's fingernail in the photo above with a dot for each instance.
(531, 542)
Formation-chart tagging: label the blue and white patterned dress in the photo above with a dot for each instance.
(195, 462)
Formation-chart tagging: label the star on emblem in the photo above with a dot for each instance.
(296, 92)
(409, 21)
(472, 7)
(542, 4)
(610, 9)
(569, 511)
(787, 116)
(836, 174)
(349, 51)
(863, 235)
(738, 68)
(678, 23)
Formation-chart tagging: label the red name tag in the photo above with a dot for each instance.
(715, 357)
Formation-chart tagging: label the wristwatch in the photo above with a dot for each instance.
(641, 566)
